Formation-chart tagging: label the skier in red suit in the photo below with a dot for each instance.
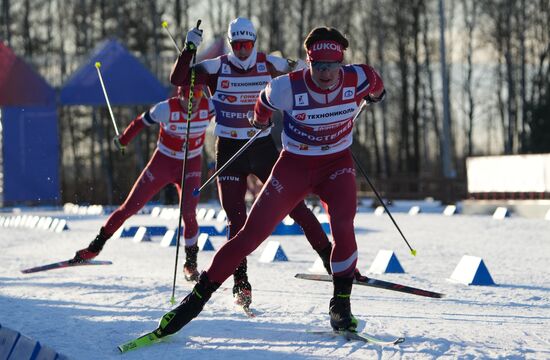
(235, 81)
(319, 104)
(165, 167)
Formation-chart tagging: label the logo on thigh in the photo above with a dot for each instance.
(150, 175)
(228, 178)
(341, 172)
(276, 184)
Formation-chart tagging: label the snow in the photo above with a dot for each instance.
(85, 312)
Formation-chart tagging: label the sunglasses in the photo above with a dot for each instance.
(238, 45)
(322, 65)
(197, 93)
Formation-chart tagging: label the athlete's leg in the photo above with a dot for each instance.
(232, 185)
(263, 162)
(189, 215)
(338, 191)
(190, 201)
(153, 178)
(282, 190)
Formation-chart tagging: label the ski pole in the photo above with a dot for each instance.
(197, 191)
(364, 173)
(165, 26)
(97, 66)
(184, 170)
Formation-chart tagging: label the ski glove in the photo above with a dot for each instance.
(369, 99)
(118, 145)
(256, 124)
(193, 39)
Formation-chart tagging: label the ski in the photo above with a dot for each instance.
(142, 341)
(64, 264)
(366, 281)
(358, 336)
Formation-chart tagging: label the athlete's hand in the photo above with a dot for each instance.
(257, 124)
(369, 99)
(118, 145)
(193, 39)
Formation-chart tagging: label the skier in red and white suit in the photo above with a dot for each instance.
(165, 167)
(235, 81)
(319, 105)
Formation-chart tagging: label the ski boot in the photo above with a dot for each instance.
(93, 249)
(188, 309)
(341, 318)
(242, 290)
(190, 267)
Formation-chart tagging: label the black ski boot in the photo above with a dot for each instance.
(93, 249)
(188, 309)
(324, 254)
(242, 290)
(341, 318)
(190, 267)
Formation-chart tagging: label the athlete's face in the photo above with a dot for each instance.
(197, 95)
(242, 49)
(325, 74)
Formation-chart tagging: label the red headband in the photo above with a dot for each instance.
(324, 50)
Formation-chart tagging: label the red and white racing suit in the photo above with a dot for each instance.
(234, 94)
(315, 159)
(165, 166)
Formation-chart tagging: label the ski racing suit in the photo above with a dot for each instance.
(316, 158)
(234, 94)
(165, 166)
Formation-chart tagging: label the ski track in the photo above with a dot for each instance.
(85, 312)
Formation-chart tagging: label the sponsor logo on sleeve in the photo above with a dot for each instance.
(301, 99)
(304, 147)
(348, 93)
(203, 114)
(233, 133)
(261, 67)
(225, 84)
(226, 69)
(175, 116)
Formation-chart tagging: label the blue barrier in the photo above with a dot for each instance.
(130, 231)
(15, 346)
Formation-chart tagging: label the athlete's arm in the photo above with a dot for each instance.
(369, 84)
(280, 66)
(157, 114)
(276, 96)
(181, 70)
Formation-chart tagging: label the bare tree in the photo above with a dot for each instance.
(470, 17)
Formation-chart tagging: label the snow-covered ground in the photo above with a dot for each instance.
(85, 312)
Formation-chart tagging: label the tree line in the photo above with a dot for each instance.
(497, 55)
